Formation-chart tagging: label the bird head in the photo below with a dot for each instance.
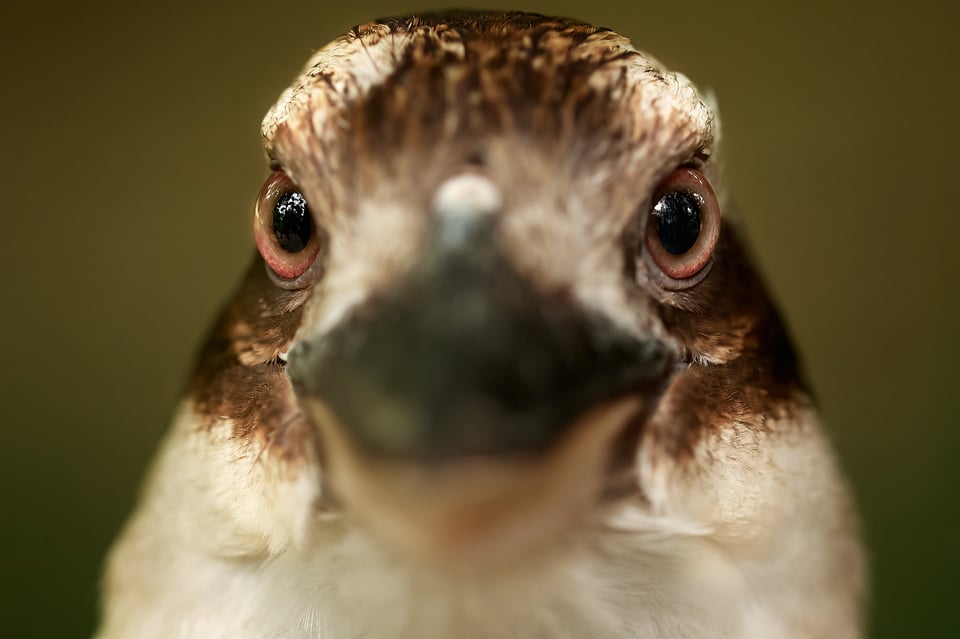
(496, 297)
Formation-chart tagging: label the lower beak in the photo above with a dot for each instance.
(480, 511)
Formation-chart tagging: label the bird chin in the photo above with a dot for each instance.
(475, 511)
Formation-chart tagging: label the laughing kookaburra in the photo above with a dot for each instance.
(501, 368)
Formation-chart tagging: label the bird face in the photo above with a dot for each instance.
(499, 318)
(491, 279)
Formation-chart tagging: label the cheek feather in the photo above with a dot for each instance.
(240, 375)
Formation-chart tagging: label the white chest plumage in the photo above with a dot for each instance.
(250, 565)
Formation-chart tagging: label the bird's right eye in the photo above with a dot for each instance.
(284, 228)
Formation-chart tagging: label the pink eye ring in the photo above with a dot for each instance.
(682, 228)
(284, 228)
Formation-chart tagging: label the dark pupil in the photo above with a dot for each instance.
(291, 222)
(678, 216)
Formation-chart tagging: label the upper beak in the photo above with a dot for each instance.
(467, 359)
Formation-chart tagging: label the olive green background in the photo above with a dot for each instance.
(131, 159)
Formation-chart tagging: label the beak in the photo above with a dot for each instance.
(467, 359)
(466, 413)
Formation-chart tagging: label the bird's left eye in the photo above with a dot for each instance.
(682, 228)
(284, 228)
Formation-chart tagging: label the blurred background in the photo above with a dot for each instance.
(133, 157)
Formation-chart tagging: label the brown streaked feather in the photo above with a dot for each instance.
(238, 375)
(398, 91)
(743, 368)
